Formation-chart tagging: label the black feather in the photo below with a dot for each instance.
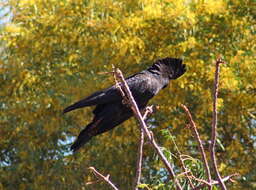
(110, 111)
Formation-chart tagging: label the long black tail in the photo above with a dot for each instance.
(82, 138)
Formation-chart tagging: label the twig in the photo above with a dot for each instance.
(194, 129)
(227, 178)
(139, 160)
(106, 179)
(186, 171)
(214, 124)
(118, 84)
(149, 110)
(93, 182)
(142, 123)
(105, 73)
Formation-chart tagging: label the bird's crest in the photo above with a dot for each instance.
(168, 67)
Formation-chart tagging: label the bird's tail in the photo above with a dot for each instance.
(82, 138)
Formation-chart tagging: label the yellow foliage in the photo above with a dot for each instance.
(23, 3)
(153, 10)
(188, 44)
(53, 50)
(228, 79)
(12, 28)
(220, 104)
(222, 167)
(212, 6)
(133, 22)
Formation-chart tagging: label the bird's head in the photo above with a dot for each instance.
(170, 68)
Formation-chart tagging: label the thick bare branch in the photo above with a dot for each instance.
(214, 124)
(143, 125)
(102, 177)
(194, 129)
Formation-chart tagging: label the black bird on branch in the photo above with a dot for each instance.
(110, 110)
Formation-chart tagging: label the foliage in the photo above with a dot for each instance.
(52, 52)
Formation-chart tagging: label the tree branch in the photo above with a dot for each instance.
(186, 170)
(228, 178)
(194, 129)
(149, 110)
(102, 177)
(143, 125)
(214, 124)
(139, 160)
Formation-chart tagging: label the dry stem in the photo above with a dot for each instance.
(140, 150)
(214, 124)
(194, 129)
(102, 177)
(227, 178)
(143, 125)
(186, 171)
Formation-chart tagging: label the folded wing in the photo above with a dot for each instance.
(110, 95)
(101, 97)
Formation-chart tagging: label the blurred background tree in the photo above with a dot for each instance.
(52, 52)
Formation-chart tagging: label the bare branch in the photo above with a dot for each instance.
(143, 125)
(227, 178)
(194, 129)
(102, 177)
(214, 124)
(148, 110)
(139, 160)
(93, 182)
(186, 171)
(105, 73)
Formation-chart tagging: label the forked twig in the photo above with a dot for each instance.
(186, 170)
(227, 178)
(149, 109)
(102, 177)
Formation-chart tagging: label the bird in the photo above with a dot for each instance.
(111, 111)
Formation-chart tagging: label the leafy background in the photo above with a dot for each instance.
(52, 52)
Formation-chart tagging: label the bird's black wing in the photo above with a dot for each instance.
(108, 95)
(101, 97)
(141, 89)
